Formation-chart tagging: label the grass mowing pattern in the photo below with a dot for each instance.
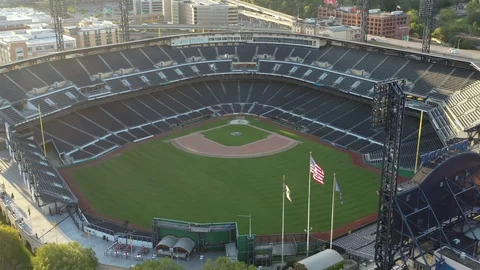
(223, 135)
(155, 179)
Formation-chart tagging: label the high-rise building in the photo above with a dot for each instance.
(203, 12)
(141, 7)
(167, 10)
(91, 32)
(23, 44)
(394, 24)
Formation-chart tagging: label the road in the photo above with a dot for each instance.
(210, 27)
(434, 48)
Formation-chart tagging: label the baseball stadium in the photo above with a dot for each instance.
(172, 142)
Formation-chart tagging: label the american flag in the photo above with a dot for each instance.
(316, 171)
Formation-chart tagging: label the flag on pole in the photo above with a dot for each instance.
(316, 171)
(288, 193)
(339, 190)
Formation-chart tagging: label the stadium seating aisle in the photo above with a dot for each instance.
(116, 61)
(138, 59)
(45, 72)
(11, 114)
(72, 70)
(246, 53)
(25, 80)
(10, 90)
(94, 64)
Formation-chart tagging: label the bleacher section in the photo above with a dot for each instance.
(49, 185)
(56, 85)
(338, 120)
(359, 243)
(464, 105)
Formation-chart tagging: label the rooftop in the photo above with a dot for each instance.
(32, 36)
(93, 23)
(28, 15)
(340, 28)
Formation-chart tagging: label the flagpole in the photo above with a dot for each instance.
(333, 207)
(283, 216)
(418, 142)
(308, 204)
(43, 135)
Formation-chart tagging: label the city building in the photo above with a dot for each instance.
(395, 24)
(203, 12)
(23, 44)
(21, 18)
(141, 7)
(91, 32)
(327, 27)
(167, 10)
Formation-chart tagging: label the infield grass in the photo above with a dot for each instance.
(155, 179)
(223, 135)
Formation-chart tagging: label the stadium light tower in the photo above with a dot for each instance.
(387, 114)
(249, 223)
(58, 10)
(125, 7)
(364, 7)
(426, 13)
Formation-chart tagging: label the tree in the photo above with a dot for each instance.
(64, 256)
(224, 263)
(439, 33)
(416, 24)
(473, 6)
(162, 264)
(13, 254)
(446, 15)
(474, 17)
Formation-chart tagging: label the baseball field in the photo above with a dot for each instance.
(215, 171)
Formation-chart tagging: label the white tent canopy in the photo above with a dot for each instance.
(167, 242)
(184, 245)
(320, 261)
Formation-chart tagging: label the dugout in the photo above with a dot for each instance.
(204, 236)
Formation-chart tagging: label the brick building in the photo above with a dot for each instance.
(395, 24)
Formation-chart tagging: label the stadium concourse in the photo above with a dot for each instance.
(96, 100)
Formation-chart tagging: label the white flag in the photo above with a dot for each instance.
(287, 193)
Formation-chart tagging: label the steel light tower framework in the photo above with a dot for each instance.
(58, 10)
(426, 13)
(364, 24)
(125, 7)
(387, 114)
(364, 7)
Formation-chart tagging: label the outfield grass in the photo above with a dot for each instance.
(155, 179)
(223, 135)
